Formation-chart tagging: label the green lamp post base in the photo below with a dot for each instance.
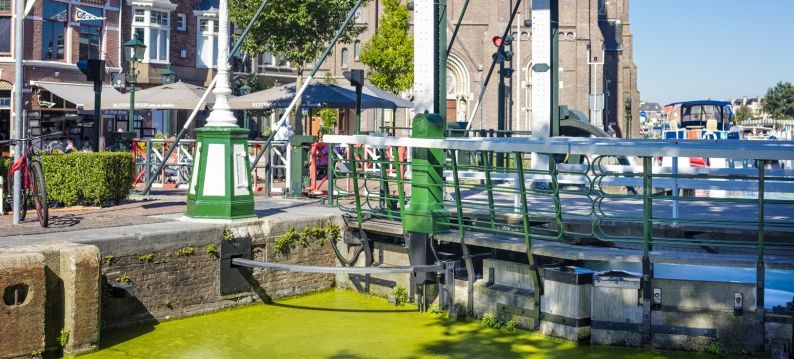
(220, 187)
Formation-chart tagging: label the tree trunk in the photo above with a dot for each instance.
(298, 123)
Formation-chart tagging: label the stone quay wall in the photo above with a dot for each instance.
(61, 294)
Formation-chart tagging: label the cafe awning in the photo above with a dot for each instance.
(316, 95)
(175, 96)
(81, 95)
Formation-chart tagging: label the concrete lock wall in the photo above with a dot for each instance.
(69, 295)
(616, 310)
(565, 303)
(701, 315)
(22, 285)
(506, 290)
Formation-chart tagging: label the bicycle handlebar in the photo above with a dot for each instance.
(14, 141)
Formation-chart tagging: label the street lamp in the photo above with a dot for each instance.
(168, 76)
(245, 90)
(137, 47)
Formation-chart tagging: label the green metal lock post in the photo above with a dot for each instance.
(426, 211)
(223, 189)
(298, 163)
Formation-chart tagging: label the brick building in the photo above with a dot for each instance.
(182, 35)
(54, 43)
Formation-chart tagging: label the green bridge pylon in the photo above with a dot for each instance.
(426, 213)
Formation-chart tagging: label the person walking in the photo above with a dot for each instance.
(282, 134)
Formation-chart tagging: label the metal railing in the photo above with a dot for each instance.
(582, 192)
(178, 167)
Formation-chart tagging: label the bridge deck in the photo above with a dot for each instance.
(666, 254)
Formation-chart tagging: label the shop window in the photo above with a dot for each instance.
(56, 14)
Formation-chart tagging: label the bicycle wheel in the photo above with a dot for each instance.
(39, 193)
(23, 200)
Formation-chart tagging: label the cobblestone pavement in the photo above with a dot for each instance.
(78, 218)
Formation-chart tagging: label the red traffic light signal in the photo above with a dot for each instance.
(497, 40)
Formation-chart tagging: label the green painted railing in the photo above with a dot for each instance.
(644, 206)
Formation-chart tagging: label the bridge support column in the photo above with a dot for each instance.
(425, 215)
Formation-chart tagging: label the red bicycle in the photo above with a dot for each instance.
(34, 191)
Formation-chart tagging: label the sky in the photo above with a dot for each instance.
(711, 49)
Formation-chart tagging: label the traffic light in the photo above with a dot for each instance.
(500, 43)
(93, 69)
(497, 40)
(507, 72)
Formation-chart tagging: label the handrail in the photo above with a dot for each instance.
(736, 149)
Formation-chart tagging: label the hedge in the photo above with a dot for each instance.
(86, 178)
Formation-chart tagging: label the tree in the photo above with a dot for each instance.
(298, 30)
(779, 101)
(743, 114)
(390, 52)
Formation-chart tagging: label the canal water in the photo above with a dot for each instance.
(341, 324)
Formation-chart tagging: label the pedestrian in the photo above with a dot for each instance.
(282, 134)
(69, 146)
(86, 146)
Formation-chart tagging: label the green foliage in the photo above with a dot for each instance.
(714, 348)
(109, 259)
(743, 114)
(317, 234)
(63, 338)
(328, 116)
(435, 309)
(284, 242)
(148, 258)
(158, 145)
(779, 101)
(124, 278)
(187, 251)
(390, 53)
(493, 320)
(227, 234)
(4, 164)
(332, 232)
(509, 326)
(211, 250)
(295, 29)
(90, 178)
(400, 295)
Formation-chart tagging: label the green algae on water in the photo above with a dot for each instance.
(341, 324)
